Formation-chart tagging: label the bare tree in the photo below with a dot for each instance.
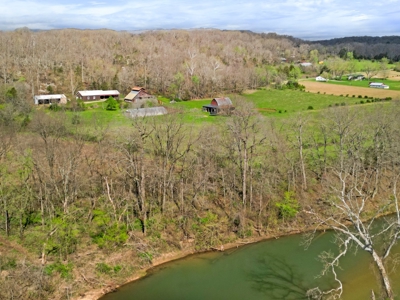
(349, 200)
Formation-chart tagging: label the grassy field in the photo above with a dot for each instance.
(279, 104)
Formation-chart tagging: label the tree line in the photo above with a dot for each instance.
(175, 63)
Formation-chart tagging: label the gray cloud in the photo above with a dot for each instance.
(311, 19)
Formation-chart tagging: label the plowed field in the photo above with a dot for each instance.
(335, 89)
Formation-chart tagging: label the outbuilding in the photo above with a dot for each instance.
(96, 95)
(50, 99)
(219, 104)
(146, 112)
(138, 94)
(378, 85)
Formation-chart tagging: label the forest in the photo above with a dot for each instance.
(84, 204)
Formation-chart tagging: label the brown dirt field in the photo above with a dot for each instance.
(335, 89)
(393, 75)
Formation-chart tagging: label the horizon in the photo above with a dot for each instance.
(192, 29)
(304, 19)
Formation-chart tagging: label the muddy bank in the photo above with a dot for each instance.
(168, 257)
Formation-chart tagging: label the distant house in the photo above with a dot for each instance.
(219, 104)
(378, 85)
(306, 64)
(50, 99)
(96, 95)
(356, 77)
(320, 78)
(139, 97)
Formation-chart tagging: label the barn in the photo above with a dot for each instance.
(96, 95)
(217, 105)
(139, 97)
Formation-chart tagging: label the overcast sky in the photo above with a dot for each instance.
(307, 19)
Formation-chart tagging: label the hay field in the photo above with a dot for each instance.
(393, 75)
(333, 89)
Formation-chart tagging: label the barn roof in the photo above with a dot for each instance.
(131, 95)
(225, 101)
(98, 92)
(137, 88)
(46, 97)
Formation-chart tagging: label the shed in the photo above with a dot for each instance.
(378, 85)
(50, 99)
(218, 104)
(96, 95)
(146, 112)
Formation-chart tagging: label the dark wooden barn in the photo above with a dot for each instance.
(219, 105)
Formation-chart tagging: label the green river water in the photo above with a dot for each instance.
(273, 269)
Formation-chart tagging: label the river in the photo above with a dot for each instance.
(273, 269)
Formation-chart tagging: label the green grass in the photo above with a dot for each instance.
(393, 85)
(280, 102)
(269, 102)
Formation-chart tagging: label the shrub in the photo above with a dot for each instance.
(294, 85)
(359, 96)
(353, 96)
(361, 102)
(366, 97)
(343, 104)
(63, 269)
(288, 207)
(388, 98)
(111, 104)
(103, 268)
(310, 107)
(54, 107)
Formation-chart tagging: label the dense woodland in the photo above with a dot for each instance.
(85, 204)
(178, 64)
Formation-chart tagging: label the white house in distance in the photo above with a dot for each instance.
(320, 78)
(305, 64)
(96, 95)
(378, 85)
(50, 99)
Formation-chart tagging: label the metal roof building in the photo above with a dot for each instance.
(96, 95)
(146, 112)
(50, 99)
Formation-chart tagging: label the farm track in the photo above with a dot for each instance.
(335, 89)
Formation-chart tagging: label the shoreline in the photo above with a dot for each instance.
(96, 294)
